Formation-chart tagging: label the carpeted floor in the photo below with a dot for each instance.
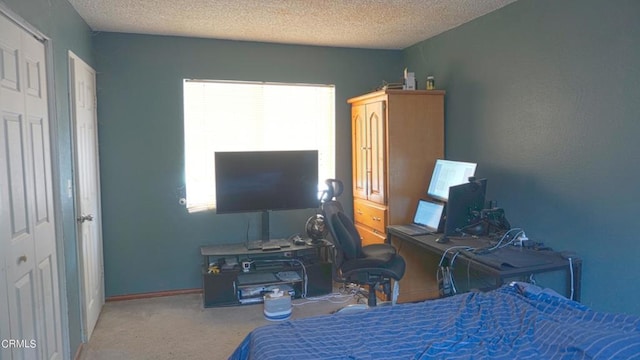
(178, 327)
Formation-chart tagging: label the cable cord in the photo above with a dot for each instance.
(441, 273)
(445, 280)
(519, 232)
(444, 273)
(396, 292)
(444, 254)
(571, 272)
(344, 298)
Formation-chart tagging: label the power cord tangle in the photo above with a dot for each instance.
(444, 274)
(508, 238)
(570, 255)
(571, 272)
(445, 281)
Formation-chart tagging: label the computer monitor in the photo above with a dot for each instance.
(465, 202)
(448, 173)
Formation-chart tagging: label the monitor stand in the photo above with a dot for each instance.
(265, 226)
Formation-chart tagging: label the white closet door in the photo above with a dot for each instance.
(27, 201)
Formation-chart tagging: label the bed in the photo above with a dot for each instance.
(516, 321)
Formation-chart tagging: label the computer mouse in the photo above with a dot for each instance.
(442, 240)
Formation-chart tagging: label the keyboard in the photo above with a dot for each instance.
(275, 244)
(413, 229)
(270, 247)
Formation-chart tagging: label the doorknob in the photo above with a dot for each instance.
(22, 259)
(83, 218)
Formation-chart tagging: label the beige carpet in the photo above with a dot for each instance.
(178, 327)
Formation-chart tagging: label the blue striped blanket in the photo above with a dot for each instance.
(513, 322)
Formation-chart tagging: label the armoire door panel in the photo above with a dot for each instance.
(376, 147)
(359, 151)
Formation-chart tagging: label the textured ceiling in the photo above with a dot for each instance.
(376, 24)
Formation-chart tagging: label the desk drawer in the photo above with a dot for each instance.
(370, 236)
(371, 215)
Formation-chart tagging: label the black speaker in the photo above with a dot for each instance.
(319, 279)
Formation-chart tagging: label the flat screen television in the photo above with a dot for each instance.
(448, 173)
(262, 181)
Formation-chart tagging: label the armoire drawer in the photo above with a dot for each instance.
(370, 236)
(371, 215)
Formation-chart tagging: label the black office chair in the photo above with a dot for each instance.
(373, 265)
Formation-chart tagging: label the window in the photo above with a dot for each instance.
(251, 116)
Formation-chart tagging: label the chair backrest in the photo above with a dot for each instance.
(343, 232)
(329, 209)
(347, 236)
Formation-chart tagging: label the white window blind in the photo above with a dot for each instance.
(247, 116)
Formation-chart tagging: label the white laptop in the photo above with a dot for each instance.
(426, 219)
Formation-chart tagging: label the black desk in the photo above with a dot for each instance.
(507, 263)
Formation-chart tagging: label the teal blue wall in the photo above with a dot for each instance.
(59, 21)
(543, 94)
(151, 243)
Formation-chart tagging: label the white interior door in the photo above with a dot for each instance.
(27, 235)
(87, 189)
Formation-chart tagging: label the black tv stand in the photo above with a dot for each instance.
(235, 275)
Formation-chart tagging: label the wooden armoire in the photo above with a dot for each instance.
(397, 137)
